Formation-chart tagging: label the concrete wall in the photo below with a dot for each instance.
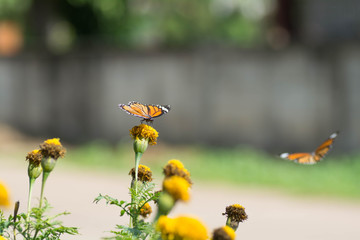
(274, 100)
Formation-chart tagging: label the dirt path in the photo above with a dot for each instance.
(271, 215)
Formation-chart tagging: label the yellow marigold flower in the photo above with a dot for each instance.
(181, 228)
(4, 196)
(2, 238)
(145, 210)
(52, 148)
(177, 187)
(166, 226)
(144, 173)
(224, 233)
(190, 228)
(34, 157)
(176, 168)
(144, 131)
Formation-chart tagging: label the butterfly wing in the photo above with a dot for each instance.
(303, 158)
(157, 110)
(324, 148)
(312, 158)
(145, 111)
(136, 109)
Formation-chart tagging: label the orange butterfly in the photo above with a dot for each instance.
(145, 111)
(313, 157)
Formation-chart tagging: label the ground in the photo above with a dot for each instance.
(272, 214)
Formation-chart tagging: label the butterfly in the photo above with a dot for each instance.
(145, 111)
(313, 157)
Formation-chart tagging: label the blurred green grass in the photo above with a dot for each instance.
(334, 176)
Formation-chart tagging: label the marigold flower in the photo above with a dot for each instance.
(34, 157)
(144, 173)
(167, 227)
(181, 228)
(224, 233)
(177, 163)
(177, 187)
(52, 148)
(144, 131)
(235, 214)
(4, 196)
(174, 188)
(2, 238)
(145, 210)
(176, 168)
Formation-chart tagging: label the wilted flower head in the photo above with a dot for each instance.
(177, 187)
(4, 196)
(145, 210)
(144, 173)
(176, 168)
(181, 228)
(235, 214)
(144, 131)
(224, 233)
(34, 157)
(52, 148)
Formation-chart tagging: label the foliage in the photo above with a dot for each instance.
(13, 8)
(150, 24)
(39, 226)
(139, 229)
(36, 224)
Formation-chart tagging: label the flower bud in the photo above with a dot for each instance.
(165, 203)
(140, 145)
(48, 164)
(34, 171)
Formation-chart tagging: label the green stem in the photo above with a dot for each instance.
(133, 219)
(44, 178)
(36, 232)
(156, 217)
(137, 162)
(31, 184)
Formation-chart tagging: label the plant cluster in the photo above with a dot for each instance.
(176, 187)
(35, 224)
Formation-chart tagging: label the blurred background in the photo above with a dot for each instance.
(275, 74)
(246, 80)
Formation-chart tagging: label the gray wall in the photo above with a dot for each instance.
(277, 100)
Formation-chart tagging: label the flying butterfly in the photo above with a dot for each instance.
(145, 111)
(313, 157)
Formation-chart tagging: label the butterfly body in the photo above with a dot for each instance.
(312, 157)
(145, 111)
